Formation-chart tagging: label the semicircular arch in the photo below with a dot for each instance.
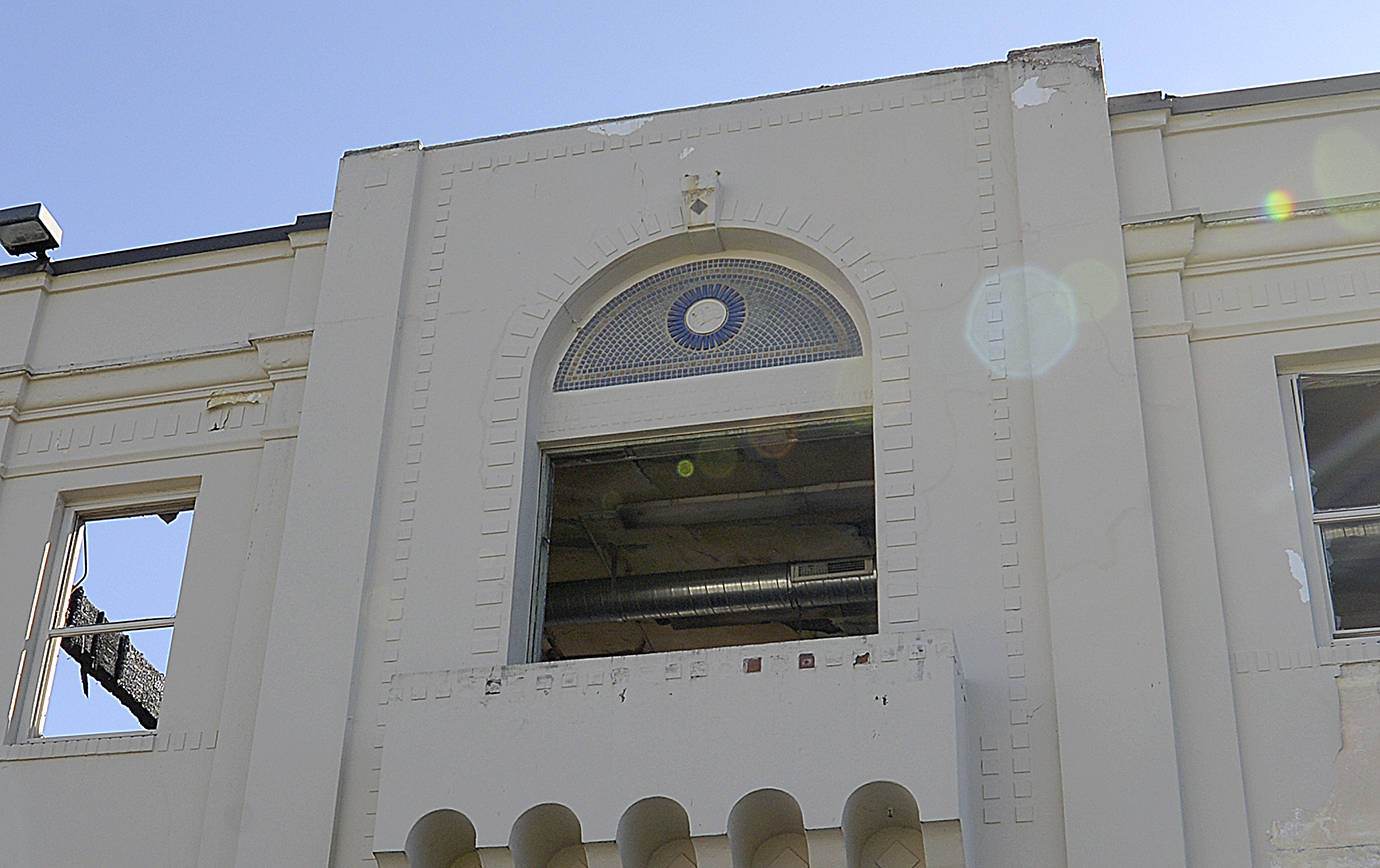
(538, 332)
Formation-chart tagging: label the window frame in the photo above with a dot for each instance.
(39, 658)
(1311, 519)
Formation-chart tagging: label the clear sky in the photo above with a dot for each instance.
(141, 123)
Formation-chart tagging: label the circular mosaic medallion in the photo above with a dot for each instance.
(706, 316)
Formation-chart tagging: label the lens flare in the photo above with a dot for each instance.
(1279, 205)
(1025, 320)
(1096, 288)
(685, 467)
(773, 444)
(717, 458)
(1345, 163)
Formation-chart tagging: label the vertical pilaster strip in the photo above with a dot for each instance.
(1116, 745)
(303, 710)
(21, 306)
(1213, 787)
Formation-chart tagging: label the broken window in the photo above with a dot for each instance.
(1341, 438)
(104, 656)
(735, 537)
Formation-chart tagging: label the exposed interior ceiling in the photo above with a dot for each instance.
(715, 522)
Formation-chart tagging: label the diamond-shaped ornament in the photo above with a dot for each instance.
(788, 858)
(699, 201)
(898, 855)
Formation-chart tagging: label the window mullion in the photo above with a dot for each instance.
(111, 627)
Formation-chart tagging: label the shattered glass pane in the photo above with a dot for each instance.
(1351, 550)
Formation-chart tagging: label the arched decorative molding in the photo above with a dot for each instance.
(881, 826)
(655, 833)
(547, 836)
(766, 828)
(725, 314)
(441, 839)
(637, 245)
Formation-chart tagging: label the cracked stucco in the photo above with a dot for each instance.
(1345, 831)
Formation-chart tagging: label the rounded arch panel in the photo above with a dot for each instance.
(766, 827)
(653, 827)
(546, 836)
(440, 839)
(725, 313)
(881, 825)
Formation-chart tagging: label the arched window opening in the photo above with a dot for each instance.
(681, 520)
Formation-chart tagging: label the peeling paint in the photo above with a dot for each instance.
(1299, 573)
(1344, 831)
(228, 399)
(1030, 93)
(219, 405)
(619, 128)
(687, 151)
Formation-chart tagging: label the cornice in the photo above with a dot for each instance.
(172, 267)
(1202, 244)
(1264, 113)
(253, 366)
(36, 279)
(681, 128)
(1159, 244)
(1153, 119)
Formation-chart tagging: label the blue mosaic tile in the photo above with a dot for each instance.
(708, 317)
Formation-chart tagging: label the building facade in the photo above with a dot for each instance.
(905, 473)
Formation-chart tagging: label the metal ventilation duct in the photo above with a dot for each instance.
(707, 593)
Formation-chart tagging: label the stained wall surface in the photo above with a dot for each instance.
(1102, 635)
(1251, 224)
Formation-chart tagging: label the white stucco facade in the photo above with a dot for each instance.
(1100, 626)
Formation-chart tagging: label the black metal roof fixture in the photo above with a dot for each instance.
(29, 229)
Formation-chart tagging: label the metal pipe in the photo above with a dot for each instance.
(702, 593)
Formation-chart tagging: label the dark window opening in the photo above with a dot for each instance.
(729, 538)
(1341, 432)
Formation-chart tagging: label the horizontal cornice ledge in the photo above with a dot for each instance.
(13, 383)
(1314, 233)
(139, 382)
(283, 355)
(1160, 243)
(1152, 119)
(39, 278)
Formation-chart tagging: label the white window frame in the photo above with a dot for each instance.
(38, 662)
(1311, 519)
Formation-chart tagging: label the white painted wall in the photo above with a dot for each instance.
(1073, 331)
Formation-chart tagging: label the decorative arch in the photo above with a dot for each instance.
(655, 833)
(766, 828)
(708, 316)
(441, 839)
(547, 836)
(881, 826)
(622, 252)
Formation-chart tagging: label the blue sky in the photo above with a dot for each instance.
(141, 123)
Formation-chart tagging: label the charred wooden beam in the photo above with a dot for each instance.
(113, 661)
